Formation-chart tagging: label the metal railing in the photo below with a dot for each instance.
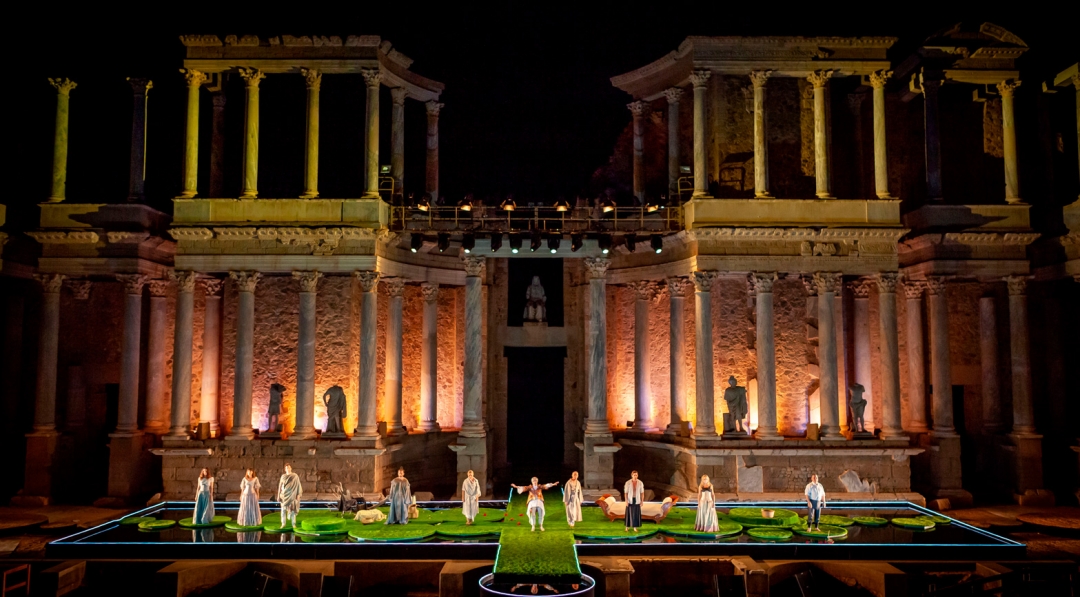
(547, 219)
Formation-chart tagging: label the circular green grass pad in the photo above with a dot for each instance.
(917, 524)
(323, 533)
(935, 518)
(156, 525)
(871, 521)
(239, 528)
(316, 525)
(393, 533)
(217, 521)
(609, 534)
(834, 520)
(826, 532)
(135, 520)
(726, 529)
(769, 534)
(272, 527)
(337, 538)
(752, 516)
(453, 529)
(455, 515)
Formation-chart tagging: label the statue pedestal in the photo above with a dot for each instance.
(472, 455)
(129, 467)
(598, 451)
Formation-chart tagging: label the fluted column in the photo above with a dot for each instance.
(372, 80)
(473, 424)
(892, 427)
(638, 109)
(48, 346)
(828, 284)
(127, 418)
(932, 136)
(194, 79)
(597, 421)
(182, 340)
(397, 136)
(313, 80)
(305, 356)
(137, 171)
(432, 170)
(863, 357)
(1023, 406)
(366, 423)
(644, 292)
(881, 158)
(705, 411)
(211, 356)
(60, 139)
(677, 289)
(155, 354)
(940, 366)
(251, 77)
(245, 345)
(820, 79)
(1008, 138)
(429, 359)
(674, 96)
(395, 289)
(217, 144)
(766, 357)
(761, 143)
(988, 360)
(700, 80)
(916, 356)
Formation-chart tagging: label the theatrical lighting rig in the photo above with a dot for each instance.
(496, 241)
(607, 205)
(535, 241)
(508, 204)
(604, 242)
(553, 242)
(562, 205)
(468, 242)
(416, 242)
(576, 241)
(631, 242)
(657, 243)
(466, 204)
(515, 243)
(444, 242)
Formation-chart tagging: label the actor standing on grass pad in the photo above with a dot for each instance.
(536, 500)
(249, 515)
(634, 490)
(289, 492)
(204, 499)
(400, 497)
(573, 497)
(815, 501)
(470, 498)
(706, 507)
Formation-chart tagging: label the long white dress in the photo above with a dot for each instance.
(706, 511)
(249, 515)
(573, 497)
(204, 501)
(470, 498)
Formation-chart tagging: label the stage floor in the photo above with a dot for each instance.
(954, 540)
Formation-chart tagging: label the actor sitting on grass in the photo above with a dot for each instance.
(536, 500)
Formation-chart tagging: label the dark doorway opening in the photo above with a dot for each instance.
(534, 412)
(550, 272)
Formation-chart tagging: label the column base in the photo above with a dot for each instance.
(1015, 201)
(182, 433)
(824, 195)
(701, 195)
(309, 195)
(371, 195)
(129, 466)
(702, 431)
(54, 199)
(680, 429)
(305, 433)
(429, 426)
(396, 429)
(473, 429)
(885, 195)
(893, 434)
(597, 426)
(765, 195)
(769, 436)
(645, 427)
(249, 195)
(245, 433)
(187, 194)
(365, 433)
(156, 429)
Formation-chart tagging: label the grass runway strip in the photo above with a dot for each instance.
(524, 555)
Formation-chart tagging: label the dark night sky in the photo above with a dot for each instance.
(529, 108)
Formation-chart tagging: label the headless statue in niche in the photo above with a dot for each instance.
(273, 411)
(735, 396)
(858, 405)
(535, 302)
(336, 410)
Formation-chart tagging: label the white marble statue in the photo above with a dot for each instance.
(535, 301)
(288, 494)
(572, 497)
(470, 498)
(249, 515)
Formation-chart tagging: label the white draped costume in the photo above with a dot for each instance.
(573, 497)
(470, 498)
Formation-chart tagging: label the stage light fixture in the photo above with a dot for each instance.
(652, 205)
(384, 169)
(607, 205)
(576, 242)
(444, 242)
(631, 242)
(468, 242)
(466, 204)
(535, 241)
(423, 204)
(515, 243)
(562, 205)
(554, 240)
(416, 242)
(604, 242)
(496, 241)
(657, 243)
(508, 203)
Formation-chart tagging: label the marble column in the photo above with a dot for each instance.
(761, 143)
(60, 139)
(988, 360)
(194, 79)
(397, 137)
(644, 293)
(245, 347)
(828, 284)
(700, 80)
(429, 359)
(395, 289)
(137, 171)
(820, 80)
(48, 347)
(127, 418)
(863, 355)
(674, 95)
(305, 356)
(182, 341)
(367, 427)
(155, 354)
(473, 424)
(677, 289)
(705, 412)
(1023, 406)
(597, 421)
(766, 357)
(211, 356)
(940, 366)
(313, 81)
(639, 109)
(1008, 138)
(251, 77)
(881, 158)
(916, 356)
(892, 427)
(217, 144)
(372, 81)
(431, 186)
(932, 136)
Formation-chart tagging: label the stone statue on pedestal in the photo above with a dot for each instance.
(535, 302)
(273, 411)
(336, 411)
(735, 396)
(858, 405)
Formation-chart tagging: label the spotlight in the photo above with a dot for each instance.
(608, 205)
(652, 205)
(468, 242)
(657, 243)
(631, 242)
(444, 242)
(562, 205)
(604, 242)
(508, 203)
(384, 170)
(534, 242)
(423, 204)
(553, 242)
(496, 241)
(416, 242)
(515, 243)
(466, 203)
(576, 241)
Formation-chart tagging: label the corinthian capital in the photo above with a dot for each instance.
(913, 289)
(860, 288)
(674, 94)
(638, 108)
(312, 77)
(474, 266)
(193, 77)
(398, 95)
(309, 281)
(828, 281)
(808, 283)
(644, 290)
(158, 288)
(140, 86)
(878, 78)
(704, 279)
(433, 108)
(819, 78)
(700, 78)
(369, 280)
(430, 291)
(759, 77)
(678, 286)
(395, 287)
(1017, 285)
(372, 76)
(597, 267)
(63, 86)
(80, 289)
(246, 280)
(251, 75)
(935, 285)
(212, 286)
(1006, 88)
(185, 280)
(886, 282)
(50, 283)
(133, 283)
(763, 281)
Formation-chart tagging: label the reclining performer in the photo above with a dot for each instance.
(289, 493)
(536, 500)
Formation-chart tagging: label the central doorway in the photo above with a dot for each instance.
(534, 412)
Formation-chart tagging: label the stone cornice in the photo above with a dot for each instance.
(890, 234)
(75, 237)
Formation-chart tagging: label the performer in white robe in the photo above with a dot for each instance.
(249, 515)
(470, 498)
(706, 507)
(204, 499)
(634, 490)
(400, 498)
(536, 500)
(573, 497)
(289, 493)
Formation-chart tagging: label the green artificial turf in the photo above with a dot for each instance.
(918, 524)
(387, 533)
(826, 532)
(156, 525)
(766, 534)
(460, 529)
(135, 520)
(935, 518)
(526, 556)
(455, 515)
(753, 517)
(871, 521)
(239, 528)
(832, 520)
(726, 528)
(217, 521)
(327, 524)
